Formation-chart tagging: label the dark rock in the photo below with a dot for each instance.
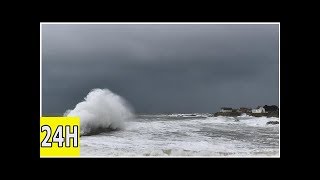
(99, 130)
(271, 108)
(273, 114)
(232, 114)
(273, 122)
(267, 114)
(257, 114)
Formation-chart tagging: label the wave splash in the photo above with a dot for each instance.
(101, 111)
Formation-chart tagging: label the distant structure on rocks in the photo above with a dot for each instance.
(259, 109)
(268, 111)
(226, 109)
(244, 110)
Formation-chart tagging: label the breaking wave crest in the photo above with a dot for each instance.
(101, 111)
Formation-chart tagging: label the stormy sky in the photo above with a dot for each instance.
(161, 68)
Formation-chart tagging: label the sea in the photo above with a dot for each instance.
(187, 135)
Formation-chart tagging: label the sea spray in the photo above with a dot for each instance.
(101, 111)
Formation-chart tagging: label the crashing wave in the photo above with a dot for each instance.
(101, 111)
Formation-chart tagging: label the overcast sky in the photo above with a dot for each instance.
(161, 68)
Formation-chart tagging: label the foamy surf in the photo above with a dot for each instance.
(164, 135)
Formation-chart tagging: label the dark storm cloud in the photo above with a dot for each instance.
(161, 68)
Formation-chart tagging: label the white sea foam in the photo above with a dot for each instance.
(213, 136)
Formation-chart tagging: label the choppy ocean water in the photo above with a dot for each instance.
(185, 135)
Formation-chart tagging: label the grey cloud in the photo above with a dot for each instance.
(161, 68)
